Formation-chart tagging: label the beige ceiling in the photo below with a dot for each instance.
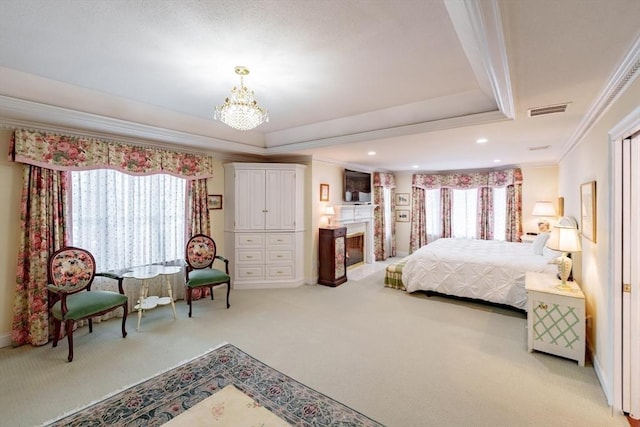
(415, 81)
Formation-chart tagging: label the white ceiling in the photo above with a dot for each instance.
(416, 81)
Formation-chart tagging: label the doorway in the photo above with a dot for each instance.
(626, 271)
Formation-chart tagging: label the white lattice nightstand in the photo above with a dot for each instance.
(555, 318)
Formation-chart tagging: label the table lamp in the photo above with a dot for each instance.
(564, 239)
(543, 209)
(329, 212)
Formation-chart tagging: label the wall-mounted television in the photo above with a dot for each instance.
(357, 186)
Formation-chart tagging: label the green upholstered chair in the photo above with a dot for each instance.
(200, 256)
(71, 272)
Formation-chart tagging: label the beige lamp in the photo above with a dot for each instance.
(329, 213)
(564, 239)
(543, 209)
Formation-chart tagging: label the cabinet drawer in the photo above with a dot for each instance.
(249, 240)
(279, 256)
(279, 239)
(250, 256)
(280, 272)
(250, 273)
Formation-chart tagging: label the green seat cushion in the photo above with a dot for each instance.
(206, 276)
(84, 304)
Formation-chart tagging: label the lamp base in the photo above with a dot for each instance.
(564, 270)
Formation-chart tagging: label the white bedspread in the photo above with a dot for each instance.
(488, 270)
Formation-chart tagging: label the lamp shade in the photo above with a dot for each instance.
(329, 210)
(543, 209)
(564, 239)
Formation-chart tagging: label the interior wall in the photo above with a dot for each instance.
(10, 193)
(589, 161)
(538, 184)
(403, 229)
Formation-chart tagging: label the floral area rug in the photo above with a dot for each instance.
(160, 399)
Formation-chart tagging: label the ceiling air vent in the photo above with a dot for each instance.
(550, 109)
(539, 147)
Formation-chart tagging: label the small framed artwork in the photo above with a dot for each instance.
(214, 201)
(402, 215)
(402, 199)
(324, 192)
(588, 210)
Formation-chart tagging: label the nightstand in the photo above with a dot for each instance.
(555, 317)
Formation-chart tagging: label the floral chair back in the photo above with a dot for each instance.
(201, 251)
(71, 269)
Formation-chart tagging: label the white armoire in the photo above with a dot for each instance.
(264, 224)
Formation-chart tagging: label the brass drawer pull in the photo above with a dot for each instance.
(542, 306)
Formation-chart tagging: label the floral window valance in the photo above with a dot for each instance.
(501, 178)
(63, 152)
(386, 180)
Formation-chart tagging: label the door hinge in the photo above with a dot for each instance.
(626, 287)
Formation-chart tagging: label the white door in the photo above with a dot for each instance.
(280, 199)
(630, 275)
(626, 263)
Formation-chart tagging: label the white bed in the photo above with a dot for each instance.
(487, 270)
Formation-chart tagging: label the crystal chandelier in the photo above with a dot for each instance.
(240, 110)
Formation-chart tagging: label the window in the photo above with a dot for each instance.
(433, 215)
(127, 221)
(499, 213)
(464, 208)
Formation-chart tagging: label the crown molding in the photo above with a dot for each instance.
(617, 84)
(19, 113)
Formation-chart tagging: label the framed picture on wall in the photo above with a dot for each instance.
(588, 210)
(402, 215)
(402, 199)
(324, 192)
(214, 201)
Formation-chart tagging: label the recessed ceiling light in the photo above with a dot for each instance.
(415, 166)
(481, 140)
(496, 161)
(371, 153)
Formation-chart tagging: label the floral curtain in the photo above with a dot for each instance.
(510, 178)
(198, 219)
(42, 231)
(64, 152)
(514, 213)
(484, 229)
(44, 212)
(418, 234)
(445, 211)
(382, 181)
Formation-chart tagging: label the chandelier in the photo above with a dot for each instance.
(240, 110)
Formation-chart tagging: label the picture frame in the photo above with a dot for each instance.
(402, 215)
(403, 199)
(324, 192)
(588, 210)
(214, 201)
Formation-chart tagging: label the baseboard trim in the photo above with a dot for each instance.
(267, 285)
(5, 340)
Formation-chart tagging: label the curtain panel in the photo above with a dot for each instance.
(64, 153)
(465, 181)
(382, 181)
(42, 231)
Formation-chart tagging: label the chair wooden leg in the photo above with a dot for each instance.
(124, 319)
(90, 325)
(189, 299)
(211, 291)
(228, 290)
(69, 326)
(56, 324)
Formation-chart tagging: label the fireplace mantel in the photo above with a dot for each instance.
(357, 218)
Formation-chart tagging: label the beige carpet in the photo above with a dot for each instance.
(403, 360)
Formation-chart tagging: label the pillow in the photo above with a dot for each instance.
(550, 253)
(539, 242)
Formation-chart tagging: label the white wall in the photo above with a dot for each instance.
(10, 193)
(538, 184)
(590, 161)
